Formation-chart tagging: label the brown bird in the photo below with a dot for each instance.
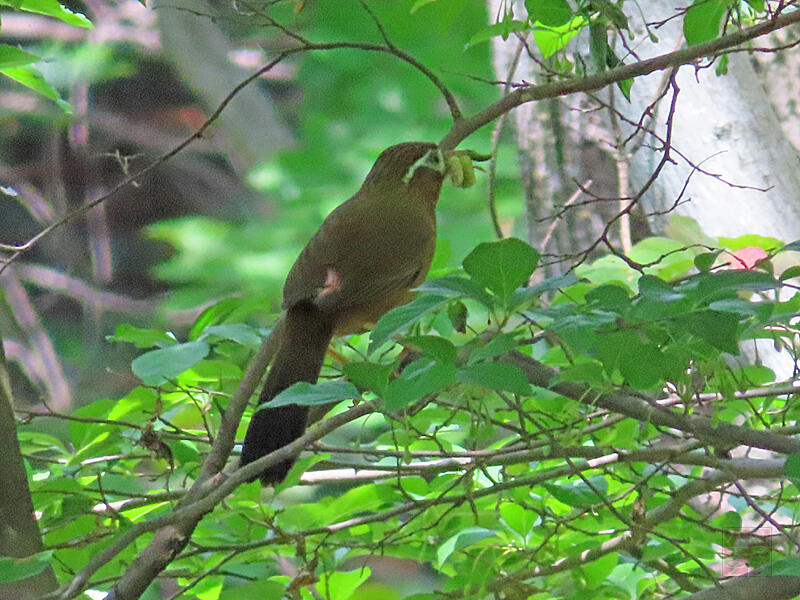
(363, 261)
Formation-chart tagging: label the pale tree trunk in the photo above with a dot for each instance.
(726, 126)
(552, 158)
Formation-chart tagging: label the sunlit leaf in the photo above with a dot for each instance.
(502, 266)
(703, 20)
(11, 56)
(159, 366)
(31, 78)
(309, 394)
(51, 8)
(462, 539)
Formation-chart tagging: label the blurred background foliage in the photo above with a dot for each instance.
(218, 219)
(225, 218)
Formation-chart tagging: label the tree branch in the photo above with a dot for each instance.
(461, 129)
(713, 434)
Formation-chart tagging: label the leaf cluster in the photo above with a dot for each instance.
(494, 483)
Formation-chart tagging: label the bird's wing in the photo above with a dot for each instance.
(354, 261)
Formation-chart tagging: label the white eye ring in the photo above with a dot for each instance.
(432, 159)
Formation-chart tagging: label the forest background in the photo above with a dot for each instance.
(600, 395)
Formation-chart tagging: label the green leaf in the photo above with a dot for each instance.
(458, 287)
(792, 467)
(578, 494)
(11, 56)
(502, 266)
(253, 590)
(549, 12)
(420, 378)
(341, 585)
(655, 288)
(790, 273)
(309, 394)
(524, 295)
(722, 65)
(769, 244)
(791, 246)
(435, 347)
(613, 61)
(519, 519)
(16, 569)
(496, 376)
(51, 8)
(597, 571)
(717, 328)
(502, 29)
(549, 284)
(465, 537)
(625, 87)
(552, 39)
(786, 567)
(590, 372)
(609, 297)
(237, 332)
(502, 343)
(730, 520)
(705, 260)
(372, 376)
(457, 313)
(639, 362)
(612, 12)
(598, 46)
(419, 4)
(214, 314)
(141, 338)
(401, 318)
(31, 78)
(703, 20)
(741, 306)
(160, 366)
(715, 285)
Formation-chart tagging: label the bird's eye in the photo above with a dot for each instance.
(430, 160)
(434, 158)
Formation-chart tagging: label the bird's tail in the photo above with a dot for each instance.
(306, 335)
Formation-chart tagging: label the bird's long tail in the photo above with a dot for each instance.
(306, 335)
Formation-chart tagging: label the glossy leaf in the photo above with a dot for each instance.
(462, 539)
(420, 378)
(31, 78)
(142, 337)
(160, 366)
(703, 20)
(237, 332)
(549, 12)
(372, 376)
(498, 376)
(11, 56)
(402, 318)
(502, 266)
(435, 347)
(309, 394)
(51, 8)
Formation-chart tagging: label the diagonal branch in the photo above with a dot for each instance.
(465, 127)
(713, 434)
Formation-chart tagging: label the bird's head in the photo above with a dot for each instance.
(419, 166)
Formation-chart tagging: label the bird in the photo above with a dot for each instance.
(365, 258)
